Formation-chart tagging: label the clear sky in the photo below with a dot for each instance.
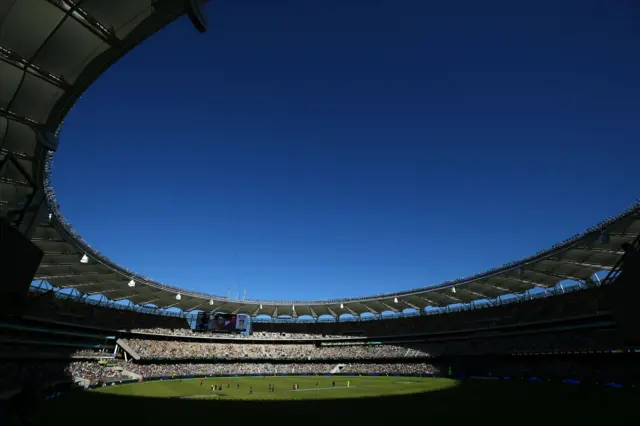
(321, 149)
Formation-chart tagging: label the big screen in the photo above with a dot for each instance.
(229, 323)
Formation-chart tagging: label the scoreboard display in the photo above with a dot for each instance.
(225, 323)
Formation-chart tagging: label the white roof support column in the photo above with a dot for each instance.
(351, 311)
(370, 309)
(394, 310)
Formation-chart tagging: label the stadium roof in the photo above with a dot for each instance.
(52, 50)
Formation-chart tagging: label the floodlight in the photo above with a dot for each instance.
(178, 297)
(395, 300)
(85, 259)
(132, 283)
(261, 306)
(211, 302)
(342, 306)
(453, 289)
(50, 216)
(293, 307)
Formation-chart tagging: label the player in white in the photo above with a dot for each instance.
(348, 383)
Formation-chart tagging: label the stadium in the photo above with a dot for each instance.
(556, 328)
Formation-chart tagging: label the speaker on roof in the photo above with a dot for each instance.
(195, 11)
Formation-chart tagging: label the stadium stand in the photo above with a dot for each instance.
(587, 332)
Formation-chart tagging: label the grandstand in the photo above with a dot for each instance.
(565, 313)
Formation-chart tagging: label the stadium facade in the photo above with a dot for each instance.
(69, 44)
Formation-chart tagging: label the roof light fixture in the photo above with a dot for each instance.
(342, 306)
(178, 297)
(260, 306)
(132, 283)
(211, 301)
(453, 289)
(395, 300)
(85, 259)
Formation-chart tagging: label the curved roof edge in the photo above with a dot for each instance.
(68, 233)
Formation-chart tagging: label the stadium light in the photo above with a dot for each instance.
(132, 283)
(178, 297)
(395, 300)
(50, 216)
(211, 301)
(85, 259)
(453, 289)
(342, 306)
(260, 306)
(293, 307)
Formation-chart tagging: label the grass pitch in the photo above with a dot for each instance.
(375, 400)
(257, 388)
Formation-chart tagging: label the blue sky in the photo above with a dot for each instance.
(332, 149)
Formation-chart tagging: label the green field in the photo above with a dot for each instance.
(375, 400)
(308, 387)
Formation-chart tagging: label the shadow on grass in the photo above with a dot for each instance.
(472, 400)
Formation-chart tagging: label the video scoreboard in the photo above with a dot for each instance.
(225, 323)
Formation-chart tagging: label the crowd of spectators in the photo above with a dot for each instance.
(259, 335)
(421, 368)
(579, 341)
(585, 370)
(11, 350)
(95, 372)
(52, 306)
(160, 370)
(550, 341)
(155, 349)
(593, 301)
(15, 374)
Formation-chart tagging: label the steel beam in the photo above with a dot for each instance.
(586, 265)
(370, 309)
(24, 65)
(411, 305)
(394, 310)
(89, 22)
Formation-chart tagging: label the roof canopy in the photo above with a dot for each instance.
(51, 51)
